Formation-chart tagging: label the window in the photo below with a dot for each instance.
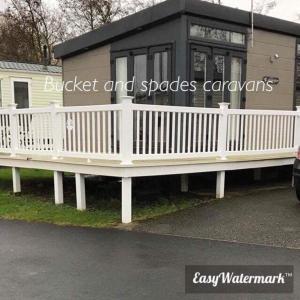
(218, 76)
(1, 93)
(140, 76)
(199, 65)
(221, 35)
(161, 67)
(121, 77)
(144, 65)
(213, 70)
(161, 76)
(21, 93)
(236, 76)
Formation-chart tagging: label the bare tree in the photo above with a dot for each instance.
(264, 7)
(27, 29)
(86, 15)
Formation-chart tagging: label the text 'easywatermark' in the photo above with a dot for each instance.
(239, 279)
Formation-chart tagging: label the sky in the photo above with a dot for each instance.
(286, 9)
(2, 4)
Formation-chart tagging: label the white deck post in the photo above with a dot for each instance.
(58, 187)
(257, 174)
(126, 147)
(80, 191)
(126, 200)
(13, 129)
(184, 183)
(222, 131)
(56, 129)
(220, 192)
(16, 180)
(297, 130)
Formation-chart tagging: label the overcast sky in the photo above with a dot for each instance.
(286, 9)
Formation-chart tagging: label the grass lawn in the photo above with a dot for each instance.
(36, 202)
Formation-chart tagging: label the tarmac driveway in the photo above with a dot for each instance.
(41, 262)
(270, 217)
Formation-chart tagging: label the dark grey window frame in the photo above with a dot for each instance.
(297, 60)
(211, 51)
(229, 32)
(221, 26)
(225, 48)
(149, 51)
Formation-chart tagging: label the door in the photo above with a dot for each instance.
(212, 69)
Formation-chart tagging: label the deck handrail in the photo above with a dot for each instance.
(127, 131)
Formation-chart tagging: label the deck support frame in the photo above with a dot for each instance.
(126, 200)
(80, 191)
(58, 187)
(16, 180)
(127, 173)
(184, 183)
(220, 190)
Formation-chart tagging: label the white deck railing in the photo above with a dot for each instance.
(127, 131)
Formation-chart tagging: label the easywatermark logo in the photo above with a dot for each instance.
(239, 279)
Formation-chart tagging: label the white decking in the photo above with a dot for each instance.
(132, 140)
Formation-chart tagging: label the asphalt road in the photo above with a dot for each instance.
(40, 261)
(270, 217)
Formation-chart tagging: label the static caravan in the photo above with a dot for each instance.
(99, 131)
(190, 40)
(24, 84)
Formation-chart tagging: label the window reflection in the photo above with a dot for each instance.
(140, 75)
(21, 93)
(236, 76)
(217, 34)
(199, 96)
(219, 77)
(121, 76)
(161, 96)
